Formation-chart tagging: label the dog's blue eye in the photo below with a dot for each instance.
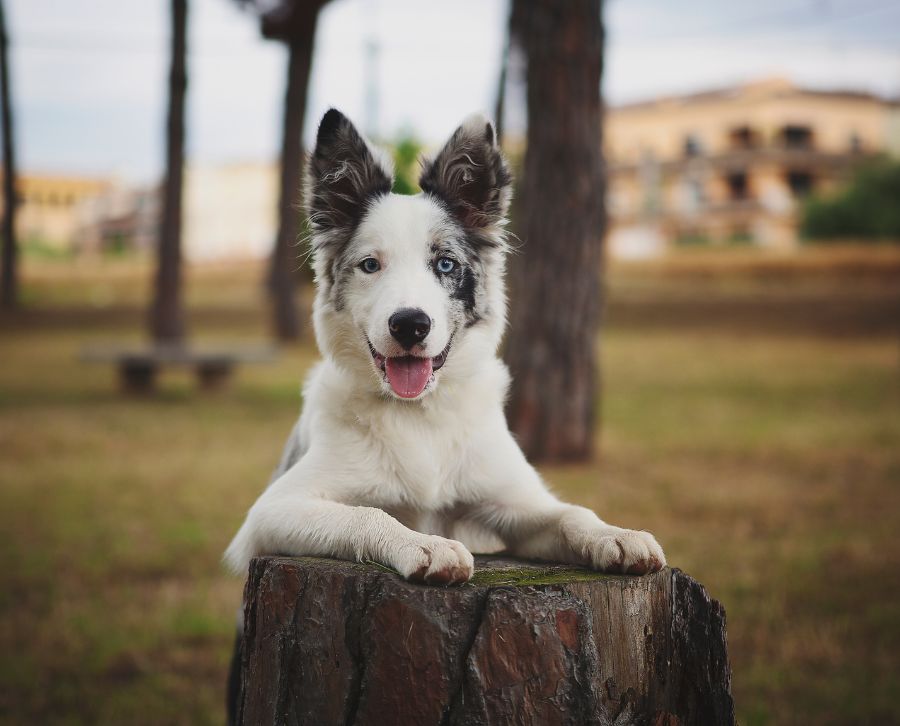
(370, 265)
(445, 265)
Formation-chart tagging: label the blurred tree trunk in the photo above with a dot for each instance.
(167, 316)
(9, 295)
(553, 336)
(500, 101)
(285, 255)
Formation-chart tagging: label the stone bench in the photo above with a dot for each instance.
(139, 366)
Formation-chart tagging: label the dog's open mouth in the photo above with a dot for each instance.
(409, 374)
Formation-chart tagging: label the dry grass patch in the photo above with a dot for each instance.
(766, 463)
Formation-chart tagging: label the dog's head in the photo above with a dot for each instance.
(410, 288)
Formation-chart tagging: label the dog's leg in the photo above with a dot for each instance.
(513, 502)
(569, 533)
(289, 520)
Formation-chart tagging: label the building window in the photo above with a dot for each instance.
(800, 183)
(693, 193)
(856, 145)
(692, 145)
(743, 137)
(797, 137)
(696, 192)
(738, 186)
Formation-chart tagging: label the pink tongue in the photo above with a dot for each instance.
(409, 375)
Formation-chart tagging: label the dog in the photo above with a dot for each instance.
(402, 455)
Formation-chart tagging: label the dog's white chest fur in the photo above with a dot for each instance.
(421, 460)
(419, 454)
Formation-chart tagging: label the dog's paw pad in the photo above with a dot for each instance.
(626, 551)
(446, 576)
(439, 561)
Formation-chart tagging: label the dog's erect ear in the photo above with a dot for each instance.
(470, 175)
(344, 175)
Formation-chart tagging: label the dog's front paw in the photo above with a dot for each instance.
(611, 549)
(436, 561)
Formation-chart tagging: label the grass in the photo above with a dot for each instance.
(763, 454)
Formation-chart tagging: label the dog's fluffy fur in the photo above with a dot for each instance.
(402, 473)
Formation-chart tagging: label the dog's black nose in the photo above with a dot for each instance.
(409, 326)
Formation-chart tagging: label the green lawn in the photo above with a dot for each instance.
(764, 456)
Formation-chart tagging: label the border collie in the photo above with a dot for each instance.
(402, 453)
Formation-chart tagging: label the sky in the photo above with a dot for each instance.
(89, 77)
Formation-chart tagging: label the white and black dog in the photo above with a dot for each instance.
(402, 453)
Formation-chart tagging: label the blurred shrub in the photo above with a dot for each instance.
(740, 238)
(867, 209)
(692, 239)
(406, 164)
(39, 248)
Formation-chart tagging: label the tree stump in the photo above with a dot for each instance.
(332, 642)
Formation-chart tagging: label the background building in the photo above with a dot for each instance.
(122, 219)
(229, 213)
(231, 210)
(51, 208)
(726, 166)
(734, 164)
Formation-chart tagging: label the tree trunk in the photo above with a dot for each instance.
(329, 642)
(9, 294)
(500, 101)
(167, 316)
(554, 327)
(286, 254)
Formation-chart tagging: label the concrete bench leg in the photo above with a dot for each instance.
(212, 376)
(138, 376)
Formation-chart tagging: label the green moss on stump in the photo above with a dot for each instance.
(489, 571)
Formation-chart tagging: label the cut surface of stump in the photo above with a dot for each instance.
(334, 642)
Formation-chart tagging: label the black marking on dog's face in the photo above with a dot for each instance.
(466, 282)
(470, 177)
(465, 289)
(341, 269)
(344, 179)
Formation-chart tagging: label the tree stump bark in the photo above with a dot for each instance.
(332, 642)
